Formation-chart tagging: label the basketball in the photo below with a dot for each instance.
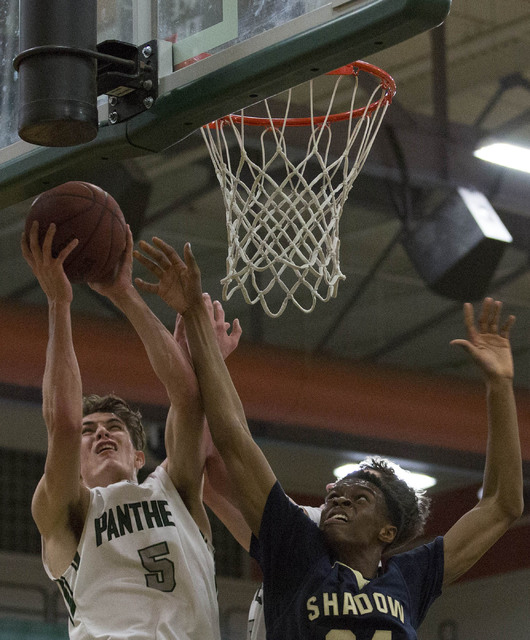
(84, 211)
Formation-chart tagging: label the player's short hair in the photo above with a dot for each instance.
(112, 404)
(408, 508)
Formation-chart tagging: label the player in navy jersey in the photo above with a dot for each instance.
(324, 583)
(218, 496)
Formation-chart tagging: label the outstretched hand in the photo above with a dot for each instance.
(179, 281)
(226, 339)
(48, 270)
(488, 344)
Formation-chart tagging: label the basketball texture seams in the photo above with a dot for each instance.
(116, 219)
(84, 211)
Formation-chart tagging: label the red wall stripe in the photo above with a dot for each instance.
(275, 385)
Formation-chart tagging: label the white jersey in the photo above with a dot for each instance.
(256, 618)
(142, 570)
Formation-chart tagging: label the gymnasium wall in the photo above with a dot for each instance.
(492, 608)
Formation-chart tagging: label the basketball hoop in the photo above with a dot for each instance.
(283, 202)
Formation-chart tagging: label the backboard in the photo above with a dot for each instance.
(216, 56)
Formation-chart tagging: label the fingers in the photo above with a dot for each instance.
(505, 329)
(24, 247)
(188, 255)
(47, 244)
(33, 252)
(190, 261)
(169, 254)
(469, 318)
(219, 312)
(148, 287)
(495, 314)
(209, 305)
(468, 346)
(155, 261)
(64, 253)
(219, 316)
(488, 321)
(148, 264)
(216, 311)
(34, 236)
(48, 239)
(216, 308)
(33, 247)
(160, 257)
(227, 339)
(237, 330)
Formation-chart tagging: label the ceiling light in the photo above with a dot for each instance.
(415, 480)
(506, 155)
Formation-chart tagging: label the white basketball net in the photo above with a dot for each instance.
(283, 215)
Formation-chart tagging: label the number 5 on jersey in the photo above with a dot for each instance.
(160, 571)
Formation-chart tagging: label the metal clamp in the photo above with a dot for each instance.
(128, 74)
(129, 93)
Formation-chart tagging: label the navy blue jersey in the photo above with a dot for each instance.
(308, 594)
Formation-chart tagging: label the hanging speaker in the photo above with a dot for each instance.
(57, 75)
(457, 248)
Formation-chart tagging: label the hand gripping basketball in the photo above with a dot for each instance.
(84, 211)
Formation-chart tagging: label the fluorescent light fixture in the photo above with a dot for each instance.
(415, 480)
(485, 215)
(505, 154)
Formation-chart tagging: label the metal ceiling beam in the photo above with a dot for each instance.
(358, 292)
(438, 318)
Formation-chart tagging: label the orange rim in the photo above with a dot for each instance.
(387, 84)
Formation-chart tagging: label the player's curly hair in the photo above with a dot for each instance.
(408, 508)
(112, 404)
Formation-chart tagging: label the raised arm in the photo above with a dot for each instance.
(246, 464)
(184, 426)
(59, 494)
(218, 493)
(502, 491)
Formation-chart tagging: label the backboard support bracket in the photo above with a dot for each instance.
(129, 93)
(222, 83)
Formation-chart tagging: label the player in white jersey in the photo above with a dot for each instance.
(142, 568)
(132, 560)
